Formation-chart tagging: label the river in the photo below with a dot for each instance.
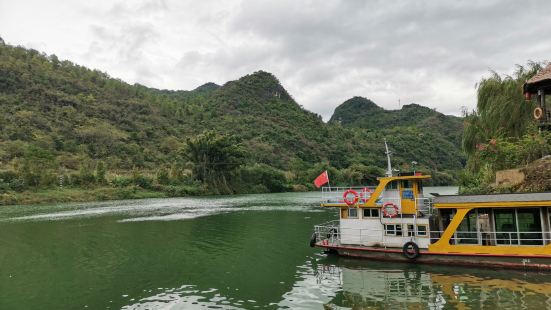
(232, 252)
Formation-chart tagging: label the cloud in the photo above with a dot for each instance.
(428, 52)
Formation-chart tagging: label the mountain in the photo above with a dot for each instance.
(415, 131)
(359, 112)
(61, 119)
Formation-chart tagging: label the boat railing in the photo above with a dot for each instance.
(335, 194)
(424, 205)
(501, 237)
(331, 233)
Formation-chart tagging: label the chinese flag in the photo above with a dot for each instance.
(321, 179)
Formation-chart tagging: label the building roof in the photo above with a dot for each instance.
(544, 74)
(541, 79)
(499, 198)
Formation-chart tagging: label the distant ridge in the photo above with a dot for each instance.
(207, 87)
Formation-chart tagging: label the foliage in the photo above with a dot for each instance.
(270, 179)
(121, 181)
(501, 110)
(61, 119)
(501, 133)
(214, 157)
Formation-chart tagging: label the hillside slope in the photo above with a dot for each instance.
(418, 131)
(60, 119)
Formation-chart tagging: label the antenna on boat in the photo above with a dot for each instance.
(389, 165)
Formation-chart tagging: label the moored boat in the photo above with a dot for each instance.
(394, 221)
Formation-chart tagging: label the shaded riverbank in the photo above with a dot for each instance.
(99, 193)
(68, 194)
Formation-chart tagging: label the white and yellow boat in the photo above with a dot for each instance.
(394, 221)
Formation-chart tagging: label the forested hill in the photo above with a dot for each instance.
(63, 121)
(363, 113)
(359, 112)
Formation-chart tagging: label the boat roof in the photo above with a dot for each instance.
(490, 198)
(406, 177)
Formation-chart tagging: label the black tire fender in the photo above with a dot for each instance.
(411, 250)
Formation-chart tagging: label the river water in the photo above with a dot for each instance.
(238, 252)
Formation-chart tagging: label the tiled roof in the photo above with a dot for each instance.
(544, 74)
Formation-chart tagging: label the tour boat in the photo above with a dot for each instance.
(395, 221)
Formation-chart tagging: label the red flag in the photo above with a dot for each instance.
(321, 179)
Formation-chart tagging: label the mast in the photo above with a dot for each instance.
(389, 165)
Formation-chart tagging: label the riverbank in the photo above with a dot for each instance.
(108, 192)
(67, 194)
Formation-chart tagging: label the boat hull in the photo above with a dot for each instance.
(468, 260)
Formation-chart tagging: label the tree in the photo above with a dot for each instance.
(214, 157)
(501, 108)
(101, 171)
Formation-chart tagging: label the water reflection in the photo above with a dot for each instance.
(376, 285)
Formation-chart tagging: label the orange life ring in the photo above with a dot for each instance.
(345, 197)
(538, 113)
(385, 212)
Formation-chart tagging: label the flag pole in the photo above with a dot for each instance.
(328, 184)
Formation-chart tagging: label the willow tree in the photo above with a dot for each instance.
(214, 157)
(500, 133)
(501, 110)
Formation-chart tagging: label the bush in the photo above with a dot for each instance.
(140, 180)
(85, 175)
(120, 181)
(162, 177)
(7, 199)
(299, 188)
(179, 191)
(271, 179)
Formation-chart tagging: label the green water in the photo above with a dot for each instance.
(240, 252)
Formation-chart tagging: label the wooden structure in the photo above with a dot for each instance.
(540, 85)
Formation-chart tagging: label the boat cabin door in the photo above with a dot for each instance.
(408, 193)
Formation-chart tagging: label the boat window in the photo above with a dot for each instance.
(466, 233)
(352, 213)
(370, 213)
(422, 230)
(392, 185)
(506, 226)
(529, 226)
(393, 230)
(375, 212)
(411, 230)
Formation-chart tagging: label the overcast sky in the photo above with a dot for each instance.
(323, 52)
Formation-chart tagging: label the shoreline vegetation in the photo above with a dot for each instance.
(501, 134)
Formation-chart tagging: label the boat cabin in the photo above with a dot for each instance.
(382, 215)
(494, 224)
